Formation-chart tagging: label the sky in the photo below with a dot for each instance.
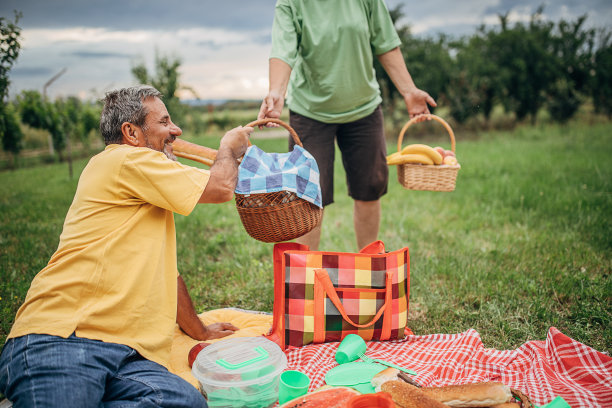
(223, 45)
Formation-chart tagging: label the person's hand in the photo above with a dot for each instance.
(236, 140)
(218, 330)
(271, 107)
(416, 103)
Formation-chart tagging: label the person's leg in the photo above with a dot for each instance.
(364, 152)
(318, 139)
(312, 238)
(142, 383)
(50, 371)
(366, 218)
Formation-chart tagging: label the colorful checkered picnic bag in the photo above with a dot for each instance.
(323, 296)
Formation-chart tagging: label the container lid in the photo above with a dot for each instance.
(239, 361)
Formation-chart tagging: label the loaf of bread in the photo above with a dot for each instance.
(484, 394)
(405, 395)
(195, 152)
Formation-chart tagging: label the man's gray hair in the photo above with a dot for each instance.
(124, 105)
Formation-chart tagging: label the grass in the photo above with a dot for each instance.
(522, 244)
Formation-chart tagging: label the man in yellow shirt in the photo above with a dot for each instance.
(97, 323)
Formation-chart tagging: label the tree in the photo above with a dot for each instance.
(90, 120)
(165, 80)
(600, 83)
(525, 62)
(11, 127)
(33, 110)
(9, 51)
(573, 49)
(38, 113)
(474, 82)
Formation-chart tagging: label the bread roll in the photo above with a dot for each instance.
(408, 396)
(389, 374)
(482, 394)
(192, 151)
(507, 405)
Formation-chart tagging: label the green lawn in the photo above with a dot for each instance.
(524, 243)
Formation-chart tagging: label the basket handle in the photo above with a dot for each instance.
(292, 132)
(419, 119)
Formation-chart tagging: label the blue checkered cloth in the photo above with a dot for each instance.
(296, 171)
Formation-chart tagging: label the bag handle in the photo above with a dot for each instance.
(374, 248)
(319, 324)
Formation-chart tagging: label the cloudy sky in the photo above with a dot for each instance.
(223, 45)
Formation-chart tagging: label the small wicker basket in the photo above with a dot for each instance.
(427, 177)
(277, 216)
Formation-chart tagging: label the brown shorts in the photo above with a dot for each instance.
(363, 148)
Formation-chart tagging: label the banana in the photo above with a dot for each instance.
(415, 158)
(393, 158)
(423, 149)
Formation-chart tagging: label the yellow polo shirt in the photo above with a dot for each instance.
(113, 276)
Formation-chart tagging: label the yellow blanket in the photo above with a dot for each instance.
(251, 324)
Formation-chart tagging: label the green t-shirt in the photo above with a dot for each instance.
(330, 45)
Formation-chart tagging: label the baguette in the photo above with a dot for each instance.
(405, 395)
(467, 395)
(192, 151)
(482, 394)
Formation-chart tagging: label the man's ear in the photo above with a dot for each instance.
(129, 134)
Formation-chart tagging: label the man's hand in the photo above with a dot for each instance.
(235, 142)
(219, 330)
(271, 107)
(224, 171)
(416, 102)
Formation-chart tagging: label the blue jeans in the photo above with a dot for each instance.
(49, 371)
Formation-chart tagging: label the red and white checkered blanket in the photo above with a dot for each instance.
(543, 370)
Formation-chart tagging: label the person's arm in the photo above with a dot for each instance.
(189, 321)
(272, 105)
(224, 171)
(416, 100)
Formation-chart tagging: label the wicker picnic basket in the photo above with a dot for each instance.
(427, 177)
(277, 216)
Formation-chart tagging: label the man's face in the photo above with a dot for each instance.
(159, 131)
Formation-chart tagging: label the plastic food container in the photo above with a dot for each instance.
(240, 372)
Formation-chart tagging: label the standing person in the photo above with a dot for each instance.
(97, 324)
(324, 51)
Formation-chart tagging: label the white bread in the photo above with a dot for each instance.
(192, 151)
(405, 395)
(389, 374)
(482, 394)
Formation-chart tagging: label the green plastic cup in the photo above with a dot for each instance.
(350, 348)
(292, 384)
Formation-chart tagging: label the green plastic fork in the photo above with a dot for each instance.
(386, 363)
